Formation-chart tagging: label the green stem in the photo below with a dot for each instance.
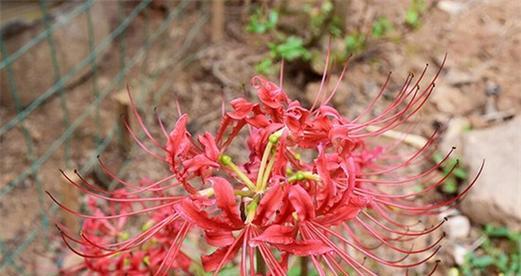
(265, 167)
(304, 266)
(267, 173)
(265, 155)
(301, 175)
(261, 265)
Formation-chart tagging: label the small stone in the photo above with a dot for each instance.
(450, 99)
(492, 88)
(452, 7)
(457, 78)
(495, 197)
(453, 135)
(458, 253)
(457, 227)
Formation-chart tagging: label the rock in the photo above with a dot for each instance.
(457, 227)
(452, 7)
(496, 196)
(456, 77)
(71, 42)
(458, 253)
(453, 136)
(450, 99)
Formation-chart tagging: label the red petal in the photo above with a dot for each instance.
(219, 238)
(226, 199)
(198, 162)
(302, 202)
(270, 203)
(275, 234)
(305, 248)
(210, 146)
(329, 188)
(177, 143)
(242, 107)
(190, 213)
(212, 261)
(341, 214)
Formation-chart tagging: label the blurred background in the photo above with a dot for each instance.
(65, 67)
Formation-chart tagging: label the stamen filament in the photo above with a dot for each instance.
(226, 161)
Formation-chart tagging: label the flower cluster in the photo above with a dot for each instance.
(109, 227)
(314, 184)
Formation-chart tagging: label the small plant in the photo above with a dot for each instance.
(492, 257)
(291, 49)
(320, 25)
(322, 19)
(355, 43)
(260, 24)
(414, 12)
(381, 27)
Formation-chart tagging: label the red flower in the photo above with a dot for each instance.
(315, 184)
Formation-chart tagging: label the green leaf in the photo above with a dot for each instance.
(381, 27)
(265, 67)
(496, 232)
(450, 187)
(437, 157)
(414, 12)
(460, 173)
(482, 261)
(291, 49)
(412, 18)
(273, 17)
(355, 43)
(294, 271)
(502, 261)
(260, 23)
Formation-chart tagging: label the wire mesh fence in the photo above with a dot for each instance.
(128, 55)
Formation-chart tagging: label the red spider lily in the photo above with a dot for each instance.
(331, 205)
(99, 237)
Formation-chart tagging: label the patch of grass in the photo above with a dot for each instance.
(500, 254)
(260, 23)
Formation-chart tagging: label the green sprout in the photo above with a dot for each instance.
(291, 49)
(500, 252)
(414, 13)
(355, 43)
(381, 27)
(261, 24)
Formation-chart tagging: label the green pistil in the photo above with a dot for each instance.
(266, 175)
(123, 235)
(147, 225)
(146, 260)
(226, 161)
(303, 175)
(265, 166)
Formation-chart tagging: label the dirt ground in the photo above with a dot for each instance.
(482, 43)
